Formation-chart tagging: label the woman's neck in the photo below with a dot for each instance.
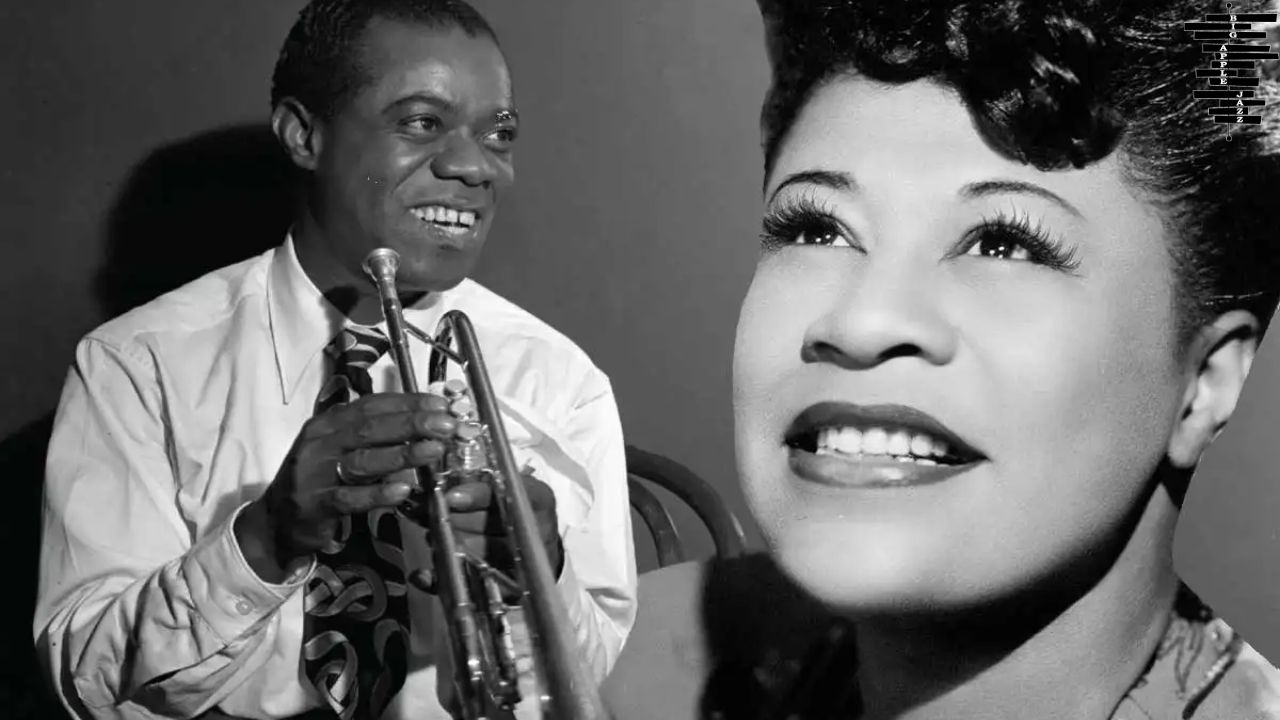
(1077, 664)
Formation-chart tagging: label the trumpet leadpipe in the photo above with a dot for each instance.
(480, 640)
(382, 265)
(429, 506)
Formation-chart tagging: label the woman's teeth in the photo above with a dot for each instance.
(445, 216)
(896, 444)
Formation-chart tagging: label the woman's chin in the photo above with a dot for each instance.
(874, 576)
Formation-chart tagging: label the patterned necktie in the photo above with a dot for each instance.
(356, 612)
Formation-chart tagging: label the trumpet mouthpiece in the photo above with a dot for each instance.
(382, 263)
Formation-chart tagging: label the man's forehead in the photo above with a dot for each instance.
(444, 64)
(388, 42)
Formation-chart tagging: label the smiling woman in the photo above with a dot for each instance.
(1012, 280)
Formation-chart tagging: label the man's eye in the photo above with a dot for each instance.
(426, 123)
(501, 139)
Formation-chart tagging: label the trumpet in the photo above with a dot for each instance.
(469, 589)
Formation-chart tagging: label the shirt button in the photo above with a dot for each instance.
(243, 607)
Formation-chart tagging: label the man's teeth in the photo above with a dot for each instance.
(898, 444)
(445, 216)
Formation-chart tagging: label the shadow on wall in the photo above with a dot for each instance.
(22, 692)
(193, 207)
(186, 209)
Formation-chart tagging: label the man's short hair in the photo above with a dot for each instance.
(319, 64)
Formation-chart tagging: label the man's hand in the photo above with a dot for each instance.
(478, 526)
(336, 468)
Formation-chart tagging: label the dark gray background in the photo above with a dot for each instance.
(133, 143)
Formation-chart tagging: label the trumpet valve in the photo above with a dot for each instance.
(469, 449)
(462, 408)
(455, 388)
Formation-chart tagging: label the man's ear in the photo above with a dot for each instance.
(299, 132)
(1221, 355)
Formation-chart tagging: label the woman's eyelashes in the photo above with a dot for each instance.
(802, 221)
(1006, 235)
(1013, 235)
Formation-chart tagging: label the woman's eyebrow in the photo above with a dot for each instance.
(825, 178)
(997, 187)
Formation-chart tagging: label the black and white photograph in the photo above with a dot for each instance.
(662, 360)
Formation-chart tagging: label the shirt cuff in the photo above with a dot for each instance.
(226, 593)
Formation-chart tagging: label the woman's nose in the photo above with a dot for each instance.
(890, 308)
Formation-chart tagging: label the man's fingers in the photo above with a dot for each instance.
(471, 510)
(470, 497)
(379, 404)
(473, 496)
(355, 499)
(390, 402)
(383, 419)
(473, 506)
(392, 429)
(368, 465)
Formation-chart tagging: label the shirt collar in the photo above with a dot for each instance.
(1192, 658)
(303, 321)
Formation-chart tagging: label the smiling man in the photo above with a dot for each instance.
(219, 534)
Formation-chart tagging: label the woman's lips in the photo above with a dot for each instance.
(846, 445)
(869, 471)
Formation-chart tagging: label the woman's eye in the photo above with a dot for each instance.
(821, 234)
(1019, 238)
(792, 226)
(1000, 243)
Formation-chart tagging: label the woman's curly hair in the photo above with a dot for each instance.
(1060, 84)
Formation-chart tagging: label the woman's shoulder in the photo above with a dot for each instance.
(701, 622)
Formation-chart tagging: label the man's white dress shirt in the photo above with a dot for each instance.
(177, 414)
